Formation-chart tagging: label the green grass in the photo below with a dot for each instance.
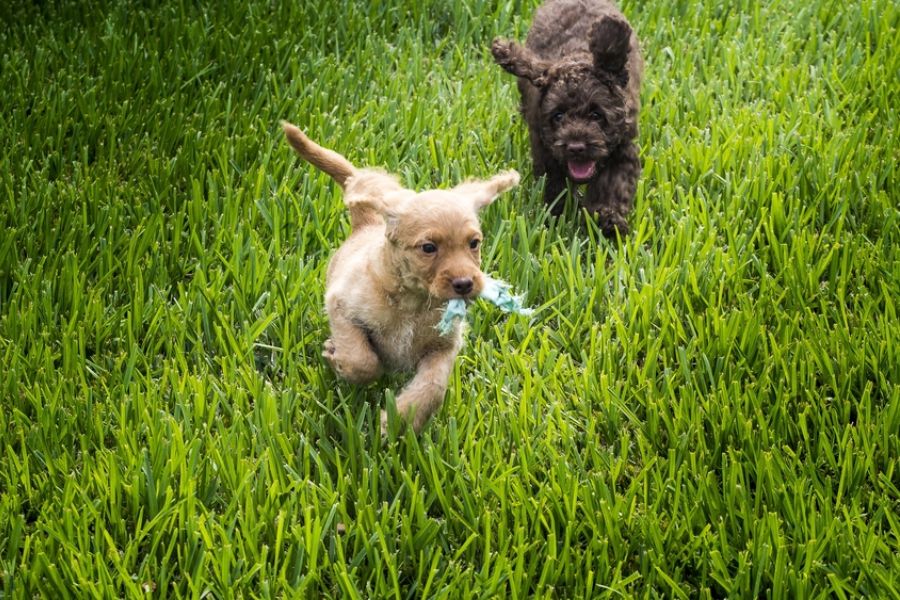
(709, 409)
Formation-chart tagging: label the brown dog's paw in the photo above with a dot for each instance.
(501, 49)
(614, 225)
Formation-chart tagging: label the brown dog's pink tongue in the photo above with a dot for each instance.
(581, 169)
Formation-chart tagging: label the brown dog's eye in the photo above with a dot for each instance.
(598, 116)
(557, 116)
(474, 243)
(429, 248)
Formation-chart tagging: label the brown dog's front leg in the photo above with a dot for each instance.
(611, 195)
(423, 396)
(545, 164)
(555, 192)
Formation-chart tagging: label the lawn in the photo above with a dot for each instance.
(709, 408)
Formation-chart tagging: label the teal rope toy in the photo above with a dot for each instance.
(495, 291)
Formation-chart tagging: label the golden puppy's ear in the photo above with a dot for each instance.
(376, 209)
(483, 193)
(371, 196)
(364, 211)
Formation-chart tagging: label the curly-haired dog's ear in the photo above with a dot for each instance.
(609, 46)
(483, 193)
(519, 61)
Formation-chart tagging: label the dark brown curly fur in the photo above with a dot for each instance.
(579, 75)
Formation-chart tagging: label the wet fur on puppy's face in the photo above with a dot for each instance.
(435, 245)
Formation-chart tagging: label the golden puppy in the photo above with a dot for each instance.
(408, 254)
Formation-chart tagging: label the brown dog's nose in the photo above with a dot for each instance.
(576, 147)
(462, 285)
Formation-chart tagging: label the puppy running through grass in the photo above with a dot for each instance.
(408, 254)
(580, 77)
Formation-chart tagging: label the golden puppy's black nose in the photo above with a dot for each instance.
(462, 285)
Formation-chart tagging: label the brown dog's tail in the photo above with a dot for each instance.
(339, 168)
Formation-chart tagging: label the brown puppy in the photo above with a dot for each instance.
(408, 254)
(580, 77)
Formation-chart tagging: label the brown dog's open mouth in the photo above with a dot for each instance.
(581, 170)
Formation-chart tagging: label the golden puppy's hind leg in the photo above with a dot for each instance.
(339, 168)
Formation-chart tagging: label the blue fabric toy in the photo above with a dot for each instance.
(495, 291)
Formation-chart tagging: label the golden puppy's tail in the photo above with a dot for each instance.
(339, 168)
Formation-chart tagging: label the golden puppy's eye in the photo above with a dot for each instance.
(474, 243)
(429, 248)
